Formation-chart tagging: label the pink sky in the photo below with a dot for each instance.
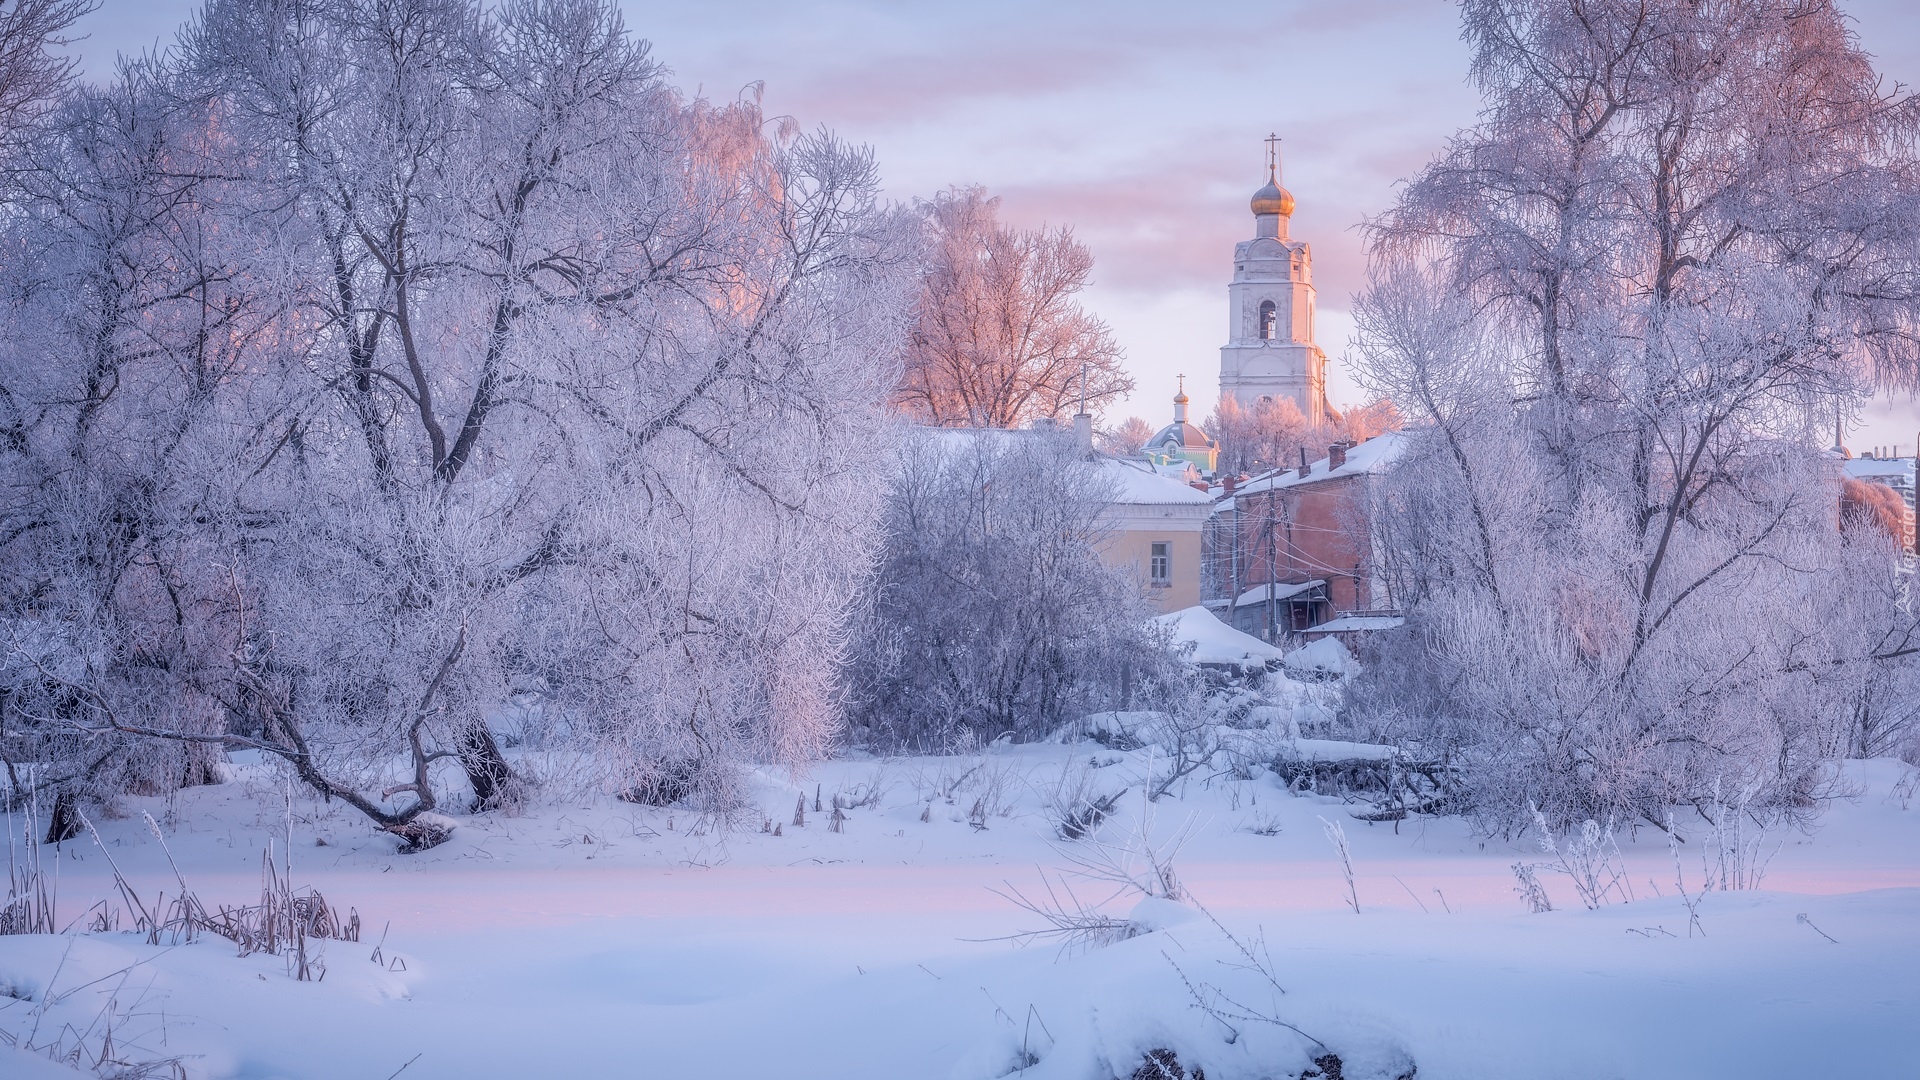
(1137, 123)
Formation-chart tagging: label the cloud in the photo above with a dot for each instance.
(1140, 126)
(1135, 122)
(904, 88)
(1168, 221)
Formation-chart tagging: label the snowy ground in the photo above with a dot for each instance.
(603, 939)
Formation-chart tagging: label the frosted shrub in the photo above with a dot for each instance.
(1532, 893)
(1590, 859)
(992, 612)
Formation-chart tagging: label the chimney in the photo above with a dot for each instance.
(1083, 433)
(1336, 455)
(1304, 467)
(1229, 483)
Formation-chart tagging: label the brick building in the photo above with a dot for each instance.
(1293, 550)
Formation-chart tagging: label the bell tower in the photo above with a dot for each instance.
(1270, 352)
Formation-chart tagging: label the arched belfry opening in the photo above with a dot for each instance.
(1269, 320)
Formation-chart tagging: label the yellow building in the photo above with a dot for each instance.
(1156, 522)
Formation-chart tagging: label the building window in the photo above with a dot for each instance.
(1161, 566)
(1269, 320)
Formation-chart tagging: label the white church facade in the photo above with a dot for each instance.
(1270, 352)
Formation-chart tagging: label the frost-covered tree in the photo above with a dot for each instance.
(1870, 660)
(1269, 434)
(32, 73)
(992, 611)
(1273, 434)
(999, 337)
(1624, 306)
(1127, 437)
(129, 328)
(519, 372)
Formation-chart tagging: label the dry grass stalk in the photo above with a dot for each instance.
(281, 924)
(1076, 924)
(1137, 864)
(116, 1044)
(1075, 808)
(283, 921)
(30, 900)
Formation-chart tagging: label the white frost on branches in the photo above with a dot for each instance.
(1625, 310)
(367, 362)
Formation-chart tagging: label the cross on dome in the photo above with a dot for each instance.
(1273, 199)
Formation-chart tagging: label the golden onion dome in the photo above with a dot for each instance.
(1273, 199)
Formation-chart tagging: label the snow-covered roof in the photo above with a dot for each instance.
(957, 440)
(1349, 623)
(1881, 469)
(1214, 642)
(1278, 590)
(1372, 456)
(1137, 482)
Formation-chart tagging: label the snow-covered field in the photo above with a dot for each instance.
(607, 939)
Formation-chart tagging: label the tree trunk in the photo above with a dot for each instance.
(64, 823)
(200, 767)
(486, 766)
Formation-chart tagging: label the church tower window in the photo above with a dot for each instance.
(1269, 320)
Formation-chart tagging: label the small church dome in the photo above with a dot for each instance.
(1182, 440)
(1273, 199)
(1181, 435)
